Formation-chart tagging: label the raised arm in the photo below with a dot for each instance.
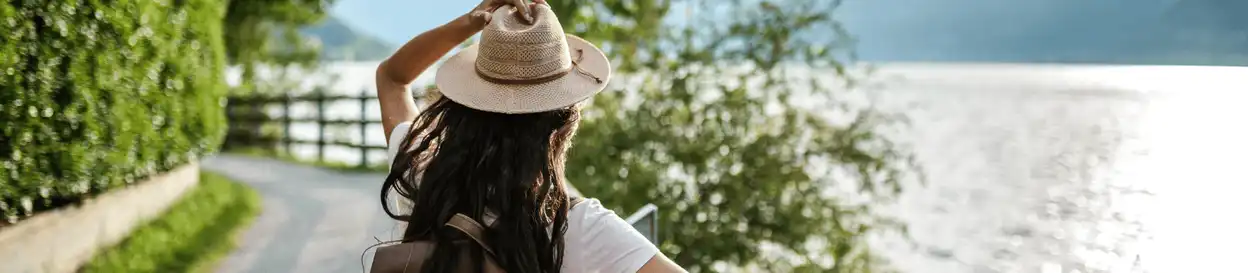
(395, 74)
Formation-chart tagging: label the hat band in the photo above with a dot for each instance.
(545, 79)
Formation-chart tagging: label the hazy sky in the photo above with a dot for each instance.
(928, 29)
(395, 21)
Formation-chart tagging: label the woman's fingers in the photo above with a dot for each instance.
(524, 9)
(480, 18)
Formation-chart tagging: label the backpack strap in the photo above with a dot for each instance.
(471, 228)
(476, 231)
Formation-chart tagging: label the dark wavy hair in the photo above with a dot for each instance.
(469, 161)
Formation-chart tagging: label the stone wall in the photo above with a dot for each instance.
(62, 240)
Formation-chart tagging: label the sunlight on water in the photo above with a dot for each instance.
(1196, 167)
(1051, 168)
(1222, 81)
(1196, 142)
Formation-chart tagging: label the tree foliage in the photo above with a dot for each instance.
(623, 27)
(265, 33)
(702, 122)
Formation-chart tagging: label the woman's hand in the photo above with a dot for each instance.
(481, 15)
(395, 75)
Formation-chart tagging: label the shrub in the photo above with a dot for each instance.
(96, 95)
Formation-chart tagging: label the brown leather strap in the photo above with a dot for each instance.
(576, 66)
(471, 228)
(476, 231)
(539, 80)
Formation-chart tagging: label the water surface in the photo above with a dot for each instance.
(1073, 168)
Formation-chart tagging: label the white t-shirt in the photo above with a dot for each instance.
(597, 240)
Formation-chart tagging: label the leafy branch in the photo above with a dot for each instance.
(708, 124)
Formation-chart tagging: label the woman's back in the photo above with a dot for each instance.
(596, 240)
(491, 148)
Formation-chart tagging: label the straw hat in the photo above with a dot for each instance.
(517, 67)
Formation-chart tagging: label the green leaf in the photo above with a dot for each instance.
(698, 140)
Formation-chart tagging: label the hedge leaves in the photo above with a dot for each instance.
(96, 95)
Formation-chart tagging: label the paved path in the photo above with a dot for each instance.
(313, 220)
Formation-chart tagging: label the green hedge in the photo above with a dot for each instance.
(98, 94)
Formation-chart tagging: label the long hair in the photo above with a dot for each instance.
(509, 166)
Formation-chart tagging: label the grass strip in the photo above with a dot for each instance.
(191, 236)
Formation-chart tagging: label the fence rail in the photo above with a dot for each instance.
(249, 114)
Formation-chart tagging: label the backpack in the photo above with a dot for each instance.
(410, 257)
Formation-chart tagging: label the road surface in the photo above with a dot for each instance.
(313, 220)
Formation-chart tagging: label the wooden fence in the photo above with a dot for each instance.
(250, 115)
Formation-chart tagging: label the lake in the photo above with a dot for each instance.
(1041, 168)
(1047, 168)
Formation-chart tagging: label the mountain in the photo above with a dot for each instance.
(340, 42)
(1211, 14)
(1180, 32)
(1177, 32)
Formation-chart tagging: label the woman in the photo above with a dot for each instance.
(492, 146)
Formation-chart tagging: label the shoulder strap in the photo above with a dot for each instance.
(475, 230)
(404, 257)
(471, 228)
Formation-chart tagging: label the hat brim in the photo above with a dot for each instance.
(457, 79)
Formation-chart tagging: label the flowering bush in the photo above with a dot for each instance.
(96, 95)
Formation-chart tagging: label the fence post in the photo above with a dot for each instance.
(363, 129)
(320, 125)
(286, 135)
